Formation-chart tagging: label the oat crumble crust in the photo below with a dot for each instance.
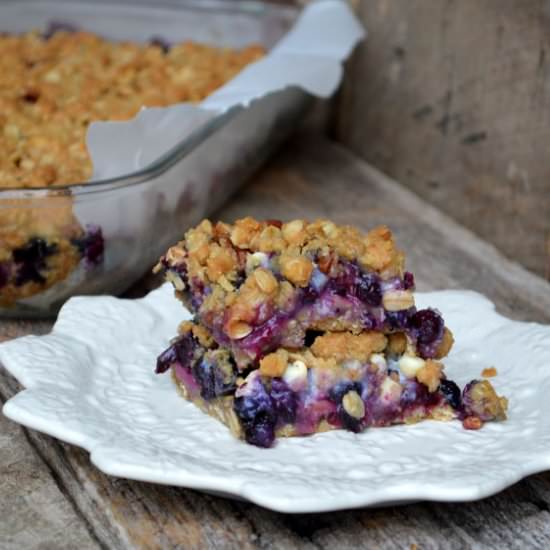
(221, 408)
(212, 251)
(332, 369)
(52, 88)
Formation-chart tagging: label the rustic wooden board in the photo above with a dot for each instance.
(452, 99)
(311, 177)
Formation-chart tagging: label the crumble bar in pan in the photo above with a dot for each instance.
(41, 243)
(53, 86)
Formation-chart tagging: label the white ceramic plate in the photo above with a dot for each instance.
(91, 383)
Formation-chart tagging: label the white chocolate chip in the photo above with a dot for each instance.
(256, 260)
(409, 365)
(52, 76)
(295, 373)
(390, 390)
(379, 360)
(353, 365)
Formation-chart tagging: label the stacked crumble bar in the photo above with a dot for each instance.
(305, 327)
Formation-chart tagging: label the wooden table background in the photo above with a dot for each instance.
(453, 100)
(52, 497)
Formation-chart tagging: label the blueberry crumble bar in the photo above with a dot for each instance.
(257, 286)
(41, 245)
(305, 327)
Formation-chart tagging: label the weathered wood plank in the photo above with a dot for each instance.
(34, 512)
(451, 99)
(313, 177)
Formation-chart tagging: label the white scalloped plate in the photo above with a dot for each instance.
(91, 383)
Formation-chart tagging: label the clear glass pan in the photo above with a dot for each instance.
(142, 213)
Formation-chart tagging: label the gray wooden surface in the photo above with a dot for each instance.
(452, 99)
(52, 497)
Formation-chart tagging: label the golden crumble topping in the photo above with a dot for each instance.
(446, 344)
(51, 89)
(486, 401)
(51, 218)
(397, 343)
(198, 331)
(430, 375)
(489, 372)
(274, 364)
(297, 269)
(344, 345)
(293, 243)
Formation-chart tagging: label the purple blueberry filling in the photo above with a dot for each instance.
(350, 423)
(182, 351)
(91, 246)
(408, 280)
(58, 26)
(368, 289)
(452, 394)
(214, 375)
(256, 412)
(284, 401)
(399, 320)
(416, 395)
(30, 261)
(263, 407)
(336, 393)
(265, 337)
(427, 326)
(164, 45)
(353, 282)
(4, 274)
(215, 380)
(370, 397)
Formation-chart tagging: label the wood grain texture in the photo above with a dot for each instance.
(310, 178)
(34, 511)
(452, 99)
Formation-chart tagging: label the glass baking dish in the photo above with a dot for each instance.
(109, 233)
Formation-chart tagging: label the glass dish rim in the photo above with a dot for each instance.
(184, 146)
